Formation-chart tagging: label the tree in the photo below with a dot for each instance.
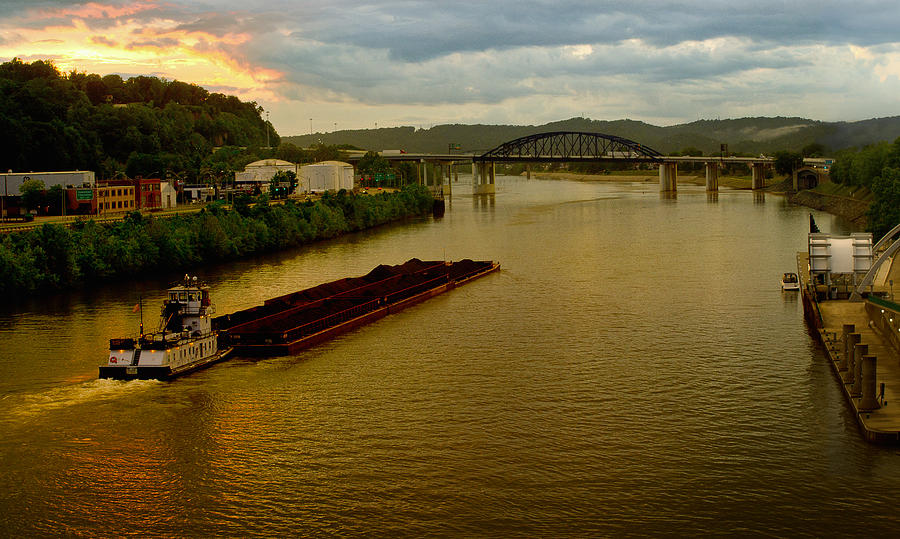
(813, 150)
(277, 187)
(32, 193)
(291, 152)
(787, 162)
(884, 212)
(373, 163)
(322, 152)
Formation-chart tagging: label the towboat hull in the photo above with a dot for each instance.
(156, 372)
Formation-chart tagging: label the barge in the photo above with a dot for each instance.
(292, 322)
(183, 342)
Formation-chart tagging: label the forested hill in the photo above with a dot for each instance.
(745, 135)
(140, 126)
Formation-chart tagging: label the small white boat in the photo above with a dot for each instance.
(790, 281)
(183, 342)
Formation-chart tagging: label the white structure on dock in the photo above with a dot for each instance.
(839, 262)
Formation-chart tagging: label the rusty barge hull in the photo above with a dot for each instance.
(290, 323)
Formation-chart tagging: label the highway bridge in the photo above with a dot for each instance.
(573, 147)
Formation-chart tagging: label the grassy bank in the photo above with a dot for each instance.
(849, 202)
(52, 257)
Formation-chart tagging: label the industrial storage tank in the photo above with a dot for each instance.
(327, 176)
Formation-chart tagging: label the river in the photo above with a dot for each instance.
(634, 369)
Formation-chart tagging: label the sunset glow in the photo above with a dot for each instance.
(422, 63)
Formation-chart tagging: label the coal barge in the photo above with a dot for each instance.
(287, 324)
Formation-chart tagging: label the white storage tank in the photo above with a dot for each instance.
(327, 176)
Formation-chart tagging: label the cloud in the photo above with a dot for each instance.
(101, 40)
(666, 60)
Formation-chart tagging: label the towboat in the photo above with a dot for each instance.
(184, 340)
(790, 281)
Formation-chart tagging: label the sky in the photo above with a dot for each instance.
(326, 65)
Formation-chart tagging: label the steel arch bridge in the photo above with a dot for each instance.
(571, 146)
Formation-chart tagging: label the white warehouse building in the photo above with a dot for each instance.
(326, 176)
(260, 173)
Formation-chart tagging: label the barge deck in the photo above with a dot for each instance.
(292, 322)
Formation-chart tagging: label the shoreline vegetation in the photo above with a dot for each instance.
(52, 258)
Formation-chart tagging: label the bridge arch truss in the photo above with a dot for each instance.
(571, 146)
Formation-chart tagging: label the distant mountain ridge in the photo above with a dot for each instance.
(743, 135)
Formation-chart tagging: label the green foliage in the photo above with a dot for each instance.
(877, 168)
(884, 212)
(283, 183)
(813, 150)
(372, 163)
(861, 167)
(144, 124)
(293, 153)
(323, 152)
(787, 162)
(52, 257)
(32, 193)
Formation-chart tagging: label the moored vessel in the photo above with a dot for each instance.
(184, 340)
(790, 281)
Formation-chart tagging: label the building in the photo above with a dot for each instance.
(168, 196)
(10, 182)
(147, 193)
(326, 176)
(259, 174)
(198, 193)
(115, 197)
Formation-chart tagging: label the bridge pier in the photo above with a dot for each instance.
(483, 180)
(758, 175)
(712, 177)
(528, 171)
(668, 177)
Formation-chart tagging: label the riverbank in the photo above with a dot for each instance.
(854, 210)
(53, 257)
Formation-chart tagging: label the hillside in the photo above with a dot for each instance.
(744, 135)
(139, 126)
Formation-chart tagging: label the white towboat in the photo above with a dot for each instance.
(183, 342)
(790, 281)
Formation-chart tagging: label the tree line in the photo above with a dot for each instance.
(875, 167)
(52, 257)
(140, 126)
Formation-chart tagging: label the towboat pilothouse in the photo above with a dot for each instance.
(183, 342)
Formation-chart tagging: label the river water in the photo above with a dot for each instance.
(633, 369)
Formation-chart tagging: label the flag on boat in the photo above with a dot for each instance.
(136, 308)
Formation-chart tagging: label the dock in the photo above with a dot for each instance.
(862, 342)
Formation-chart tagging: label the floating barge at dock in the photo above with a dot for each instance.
(849, 305)
(289, 323)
